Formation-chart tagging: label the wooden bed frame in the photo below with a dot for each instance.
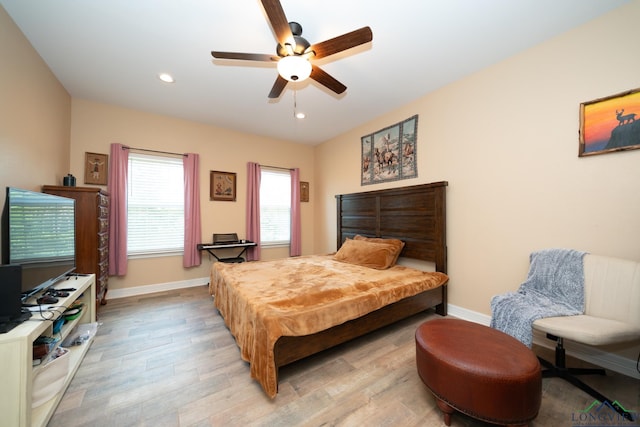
(415, 215)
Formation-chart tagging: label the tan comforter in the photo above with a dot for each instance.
(262, 301)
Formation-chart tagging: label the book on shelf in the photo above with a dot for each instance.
(42, 348)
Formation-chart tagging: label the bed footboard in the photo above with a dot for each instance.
(290, 349)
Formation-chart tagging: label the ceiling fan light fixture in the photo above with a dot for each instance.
(294, 68)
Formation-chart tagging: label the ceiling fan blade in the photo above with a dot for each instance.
(326, 80)
(244, 56)
(278, 21)
(278, 87)
(343, 42)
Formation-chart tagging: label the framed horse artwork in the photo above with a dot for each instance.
(389, 154)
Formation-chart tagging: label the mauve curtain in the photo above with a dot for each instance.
(253, 210)
(295, 248)
(117, 187)
(192, 228)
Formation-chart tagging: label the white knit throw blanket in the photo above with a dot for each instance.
(554, 287)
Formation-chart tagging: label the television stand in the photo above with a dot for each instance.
(18, 376)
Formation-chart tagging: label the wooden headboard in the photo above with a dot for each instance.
(414, 214)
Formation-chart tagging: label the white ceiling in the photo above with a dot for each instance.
(111, 51)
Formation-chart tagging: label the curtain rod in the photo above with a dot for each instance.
(276, 167)
(124, 147)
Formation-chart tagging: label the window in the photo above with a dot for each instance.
(155, 205)
(275, 207)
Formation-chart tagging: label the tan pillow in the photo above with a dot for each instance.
(366, 254)
(396, 244)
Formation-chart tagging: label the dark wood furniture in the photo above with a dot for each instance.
(414, 214)
(92, 233)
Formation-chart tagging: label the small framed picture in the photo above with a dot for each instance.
(610, 124)
(222, 186)
(96, 167)
(304, 191)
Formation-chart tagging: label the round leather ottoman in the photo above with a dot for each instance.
(479, 371)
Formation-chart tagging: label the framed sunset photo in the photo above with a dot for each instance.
(610, 124)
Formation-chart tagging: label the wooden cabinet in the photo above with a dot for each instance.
(17, 373)
(92, 233)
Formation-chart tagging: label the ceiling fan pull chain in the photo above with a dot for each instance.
(296, 114)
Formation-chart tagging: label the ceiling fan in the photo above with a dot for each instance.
(294, 52)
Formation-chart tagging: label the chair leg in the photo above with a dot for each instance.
(562, 364)
(560, 370)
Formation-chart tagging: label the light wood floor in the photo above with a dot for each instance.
(167, 359)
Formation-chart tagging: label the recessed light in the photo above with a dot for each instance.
(167, 78)
(300, 115)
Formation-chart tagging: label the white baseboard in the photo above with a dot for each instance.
(159, 287)
(589, 354)
(472, 316)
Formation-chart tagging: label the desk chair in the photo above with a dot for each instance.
(611, 316)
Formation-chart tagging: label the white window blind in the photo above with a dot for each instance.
(275, 207)
(155, 205)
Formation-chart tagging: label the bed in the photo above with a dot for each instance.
(284, 310)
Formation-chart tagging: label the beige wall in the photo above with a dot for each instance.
(506, 140)
(44, 135)
(35, 116)
(95, 126)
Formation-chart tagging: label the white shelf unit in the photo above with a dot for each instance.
(16, 356)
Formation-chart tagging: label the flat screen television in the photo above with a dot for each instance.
(39, 235)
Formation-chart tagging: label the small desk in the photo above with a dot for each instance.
(243, 245)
